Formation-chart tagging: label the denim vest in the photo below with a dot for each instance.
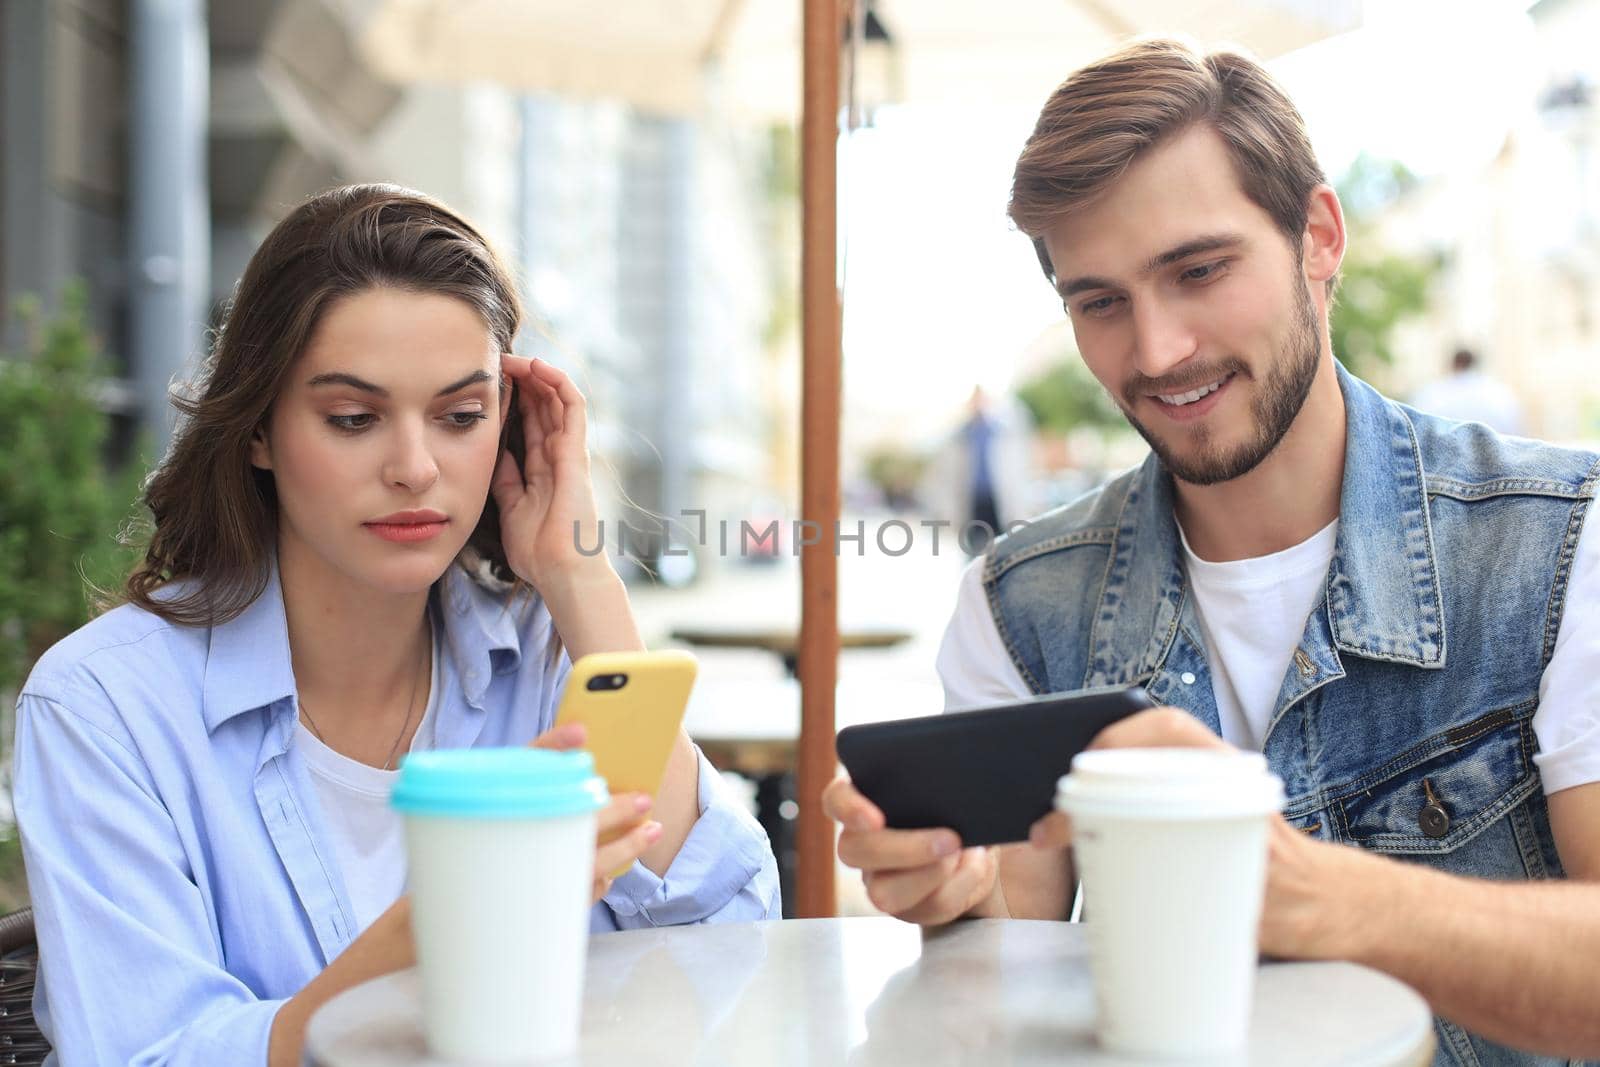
(1404, 722)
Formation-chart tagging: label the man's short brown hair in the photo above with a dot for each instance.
(1108, 114)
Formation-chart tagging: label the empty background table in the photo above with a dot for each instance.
(784, 641)
(874, 992)
(752, 726)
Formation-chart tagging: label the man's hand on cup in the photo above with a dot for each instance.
(921, 876)
(1156, 728)
(1296, 920)
(622, 831)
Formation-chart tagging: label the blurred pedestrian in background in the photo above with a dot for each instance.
(1470, 395)
(981, 473)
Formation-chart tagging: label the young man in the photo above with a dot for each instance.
(1398, 610)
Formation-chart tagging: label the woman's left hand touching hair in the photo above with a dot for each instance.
(547, 506)
(547, 510)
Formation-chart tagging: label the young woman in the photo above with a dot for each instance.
(364, 544)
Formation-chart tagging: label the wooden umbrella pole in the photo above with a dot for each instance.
(819, 453)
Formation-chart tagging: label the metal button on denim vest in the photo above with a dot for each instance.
(1403, 724)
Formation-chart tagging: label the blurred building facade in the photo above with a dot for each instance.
(1519, 243)
(644, 244)
(63, 170)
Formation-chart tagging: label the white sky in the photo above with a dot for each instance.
(941, 292)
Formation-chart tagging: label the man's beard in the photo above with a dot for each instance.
(1277, 403)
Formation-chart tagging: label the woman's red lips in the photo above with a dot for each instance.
(409, 518)
(408, 526)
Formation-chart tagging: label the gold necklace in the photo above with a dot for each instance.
(411, 702)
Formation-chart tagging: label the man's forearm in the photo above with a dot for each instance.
(1033, 884)
(1517, 963)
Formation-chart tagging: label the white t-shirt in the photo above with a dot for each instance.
(1253, 613)
(368, 835)
(976, 668)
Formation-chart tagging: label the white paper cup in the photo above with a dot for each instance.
(500, 844)
(1171, 845)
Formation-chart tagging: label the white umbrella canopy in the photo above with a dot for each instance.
(743, 56)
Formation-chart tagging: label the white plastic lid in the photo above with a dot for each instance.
(1172, 783)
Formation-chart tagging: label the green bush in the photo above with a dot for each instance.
(1378, 289)
(62, 504)
(1065, 396)
(896, 471)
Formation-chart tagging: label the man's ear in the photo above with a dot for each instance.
(1322, 245)
(260, 451)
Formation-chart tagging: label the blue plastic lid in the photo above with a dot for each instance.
(498, 783)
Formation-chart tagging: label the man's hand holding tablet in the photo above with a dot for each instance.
(919, 790)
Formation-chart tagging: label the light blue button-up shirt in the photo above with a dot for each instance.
(184, 883)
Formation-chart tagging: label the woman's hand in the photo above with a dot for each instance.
(547, 511)
(622, 836)
(547, 506)
(622, 831)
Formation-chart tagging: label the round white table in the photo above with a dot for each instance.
(881, 992)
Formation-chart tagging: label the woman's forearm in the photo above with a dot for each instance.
(383, 948)
(591, 611)
(677, 806)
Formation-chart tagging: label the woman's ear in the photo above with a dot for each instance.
(260, 451)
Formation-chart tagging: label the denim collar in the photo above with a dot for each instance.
(1384, 598)
(248, 665)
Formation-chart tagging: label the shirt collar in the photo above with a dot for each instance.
(249, 666)
(481, 631)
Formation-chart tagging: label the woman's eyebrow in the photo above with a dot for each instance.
(341, 378)
(472, 379)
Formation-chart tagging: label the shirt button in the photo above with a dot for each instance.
(1187, 677)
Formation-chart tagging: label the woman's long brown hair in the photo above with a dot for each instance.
(215, 515)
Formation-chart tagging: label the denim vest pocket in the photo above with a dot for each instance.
(1446, 790)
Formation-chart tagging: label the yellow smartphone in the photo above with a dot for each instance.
(631, 704)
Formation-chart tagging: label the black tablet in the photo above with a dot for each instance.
(987, 773)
